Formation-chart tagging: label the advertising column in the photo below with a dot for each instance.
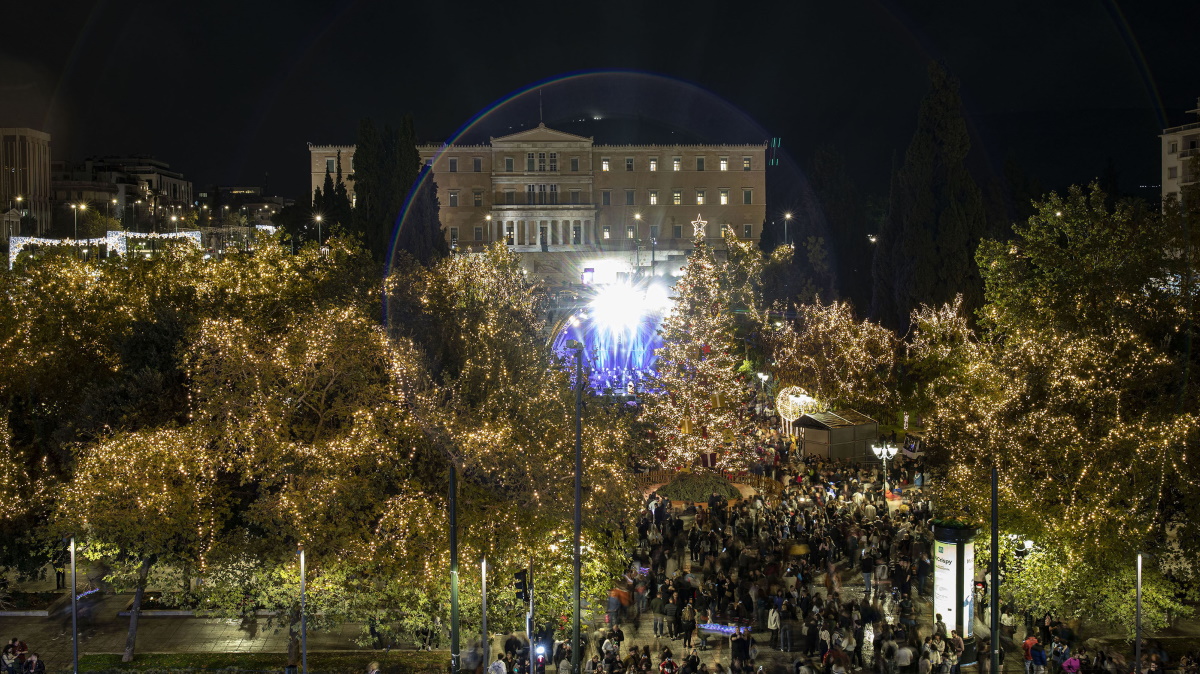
(954, 583)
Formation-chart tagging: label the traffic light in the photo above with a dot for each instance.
(522, 585)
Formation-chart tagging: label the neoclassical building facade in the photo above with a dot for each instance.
(581, 212)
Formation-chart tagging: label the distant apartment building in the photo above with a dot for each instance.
(25, 177)
(323, 159)
(123, 187)
(578, 211)
(1179, 145)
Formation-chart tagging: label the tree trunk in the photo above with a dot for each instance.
(293, 652)
(136, 609)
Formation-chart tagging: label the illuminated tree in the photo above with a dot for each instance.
(143, 499)
(1072, 391)
(838, 359)
(697, 387)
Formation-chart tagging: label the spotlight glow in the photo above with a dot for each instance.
(619, 307)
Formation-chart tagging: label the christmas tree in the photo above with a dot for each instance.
(698, 388)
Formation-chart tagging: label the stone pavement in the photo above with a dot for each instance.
(102, 631)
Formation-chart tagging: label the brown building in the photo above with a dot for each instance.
(322, 158)
(581, 211)
(25, 176)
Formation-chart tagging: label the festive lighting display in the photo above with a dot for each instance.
(697, 388)
(620, 333)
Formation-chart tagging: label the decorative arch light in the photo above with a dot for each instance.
(793, 402)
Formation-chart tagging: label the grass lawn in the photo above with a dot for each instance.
(331, 662)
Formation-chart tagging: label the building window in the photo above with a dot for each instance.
(541, 161)
(479, 234)
(724, 197)
(477, 164)
(677, 231)
(429, 162)
(724, 163)
(574, 196)
(653, 197)
(453, 198)
(606, 231)
(604, 163)
(1172, 172)
(553, 161)
(542, 194)
(530, 195)
(628, 197)
(453, 165)
(699, 163)
(529, 162)
(554, 194)
(508, 164)
(1173, 147)
(629, 163)
(747, 231)
(575, 235)
(630, 232)
(453, 235)
(654, 163)
(676, 163)
(575, 164)
(330, 165)
(510, 197)
(677, 197)
(699, 197)
(477, 198)
(606, 198)
(747, 197)
(653, 231)
(745, 163)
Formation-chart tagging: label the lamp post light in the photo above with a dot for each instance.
(10, 232)
(762, 378)
(175, 221)
(303, 615)
(74, 613)
(577, 347)
(884, 451)
(77, 208)
(318, 219)
(787, 218)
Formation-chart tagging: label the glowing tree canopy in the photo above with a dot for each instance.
(697, 387)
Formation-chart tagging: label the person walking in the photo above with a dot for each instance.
(773, 625)
(656, 610)
(671, 617)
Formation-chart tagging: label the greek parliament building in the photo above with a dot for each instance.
(581, 212)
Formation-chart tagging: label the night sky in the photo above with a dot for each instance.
(227, 92)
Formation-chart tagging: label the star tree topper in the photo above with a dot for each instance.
(698, 226)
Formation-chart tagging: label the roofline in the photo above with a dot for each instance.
(313, 146)
(763, 146)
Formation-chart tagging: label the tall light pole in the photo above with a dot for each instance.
(787, 218)
(994, 588)
(318, 219)
(483, 628)
(19, 200)
(175, 221)
(77, 208)
(303, 615)
(884, 452)
(577, 347)
(1137, 644)
(74, 612)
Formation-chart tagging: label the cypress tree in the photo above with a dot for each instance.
(925, 253)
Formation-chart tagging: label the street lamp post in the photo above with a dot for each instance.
(76, 208)
(318, 219)
(1137, 644)
(787, 218)
(175, 221)
(74, 613)
(577, 347)
(303, 615)
(884, 451)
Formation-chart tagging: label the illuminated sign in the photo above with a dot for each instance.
(949, 598)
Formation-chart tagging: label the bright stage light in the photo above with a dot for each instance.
(622, 306)
(618, 307)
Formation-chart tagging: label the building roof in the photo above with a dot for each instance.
(840, 419)
(541, 134)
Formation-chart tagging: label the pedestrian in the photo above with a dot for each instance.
(373, 668)
(8, 660)
(773, 626)
(671, 617)
(656, 610)
(34, 665)
(1037, 655)
(1027, 651)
